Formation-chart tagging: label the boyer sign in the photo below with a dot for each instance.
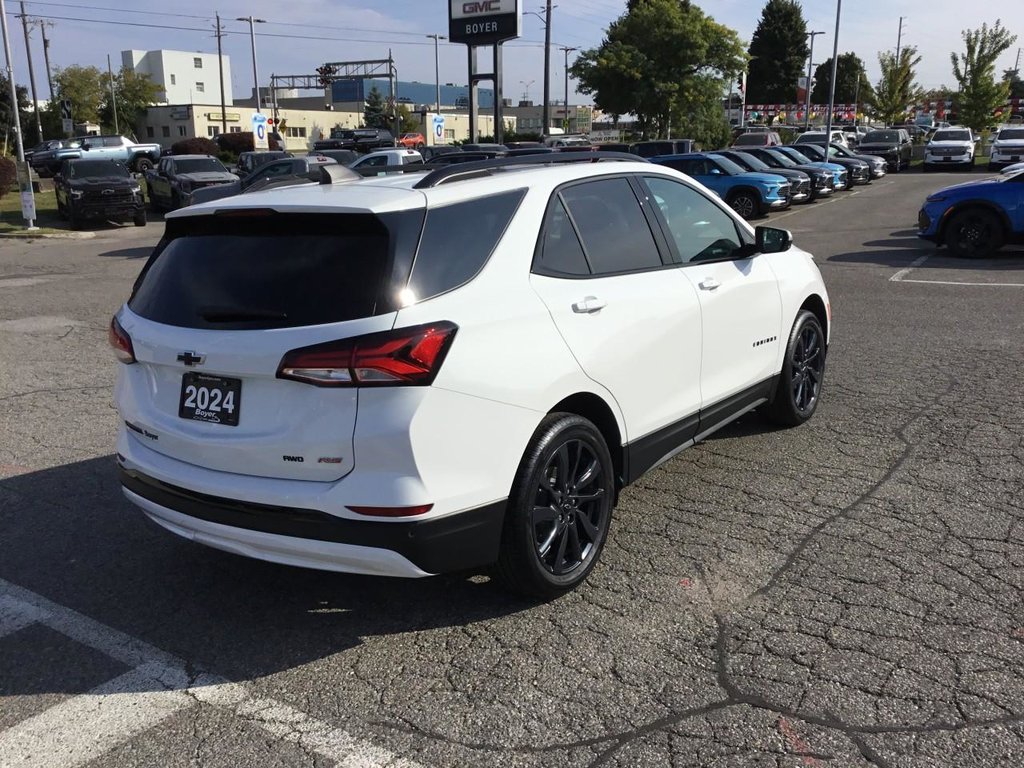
(483, 22)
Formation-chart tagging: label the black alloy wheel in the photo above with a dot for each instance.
(974, 234)
(560, 509)
(803, 372)
(745, 204)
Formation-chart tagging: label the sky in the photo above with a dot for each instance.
(302, 34)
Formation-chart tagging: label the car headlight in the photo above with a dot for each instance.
(76, 193)
(186, 186)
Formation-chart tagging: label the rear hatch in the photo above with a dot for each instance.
(217, 307)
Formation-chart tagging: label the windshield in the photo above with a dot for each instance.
(952, 136)
(785, 160)
(727, 165)
(812, 151)
(1011, 134)
(86, 168)
(798, 155)
(751, 162)
(884, 137)
(203, 165)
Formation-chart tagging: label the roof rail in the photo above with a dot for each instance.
(476, 169)
(333, 173)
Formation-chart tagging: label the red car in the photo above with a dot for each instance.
(412, 140)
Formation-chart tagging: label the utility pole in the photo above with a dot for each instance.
(899, 40)
(25, 186)
(810, 66)
(437, 73)
(567, 50)
(31, 73)
(252, 37)
(43, 24)
(113, 97)
(220, 67)
(832, 85)
(1016, 64)
(547, 69)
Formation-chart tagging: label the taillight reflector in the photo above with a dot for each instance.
(404, 356)
(120, 342)
(422, 509)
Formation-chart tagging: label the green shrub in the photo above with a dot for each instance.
(8, 175)
(195, 146)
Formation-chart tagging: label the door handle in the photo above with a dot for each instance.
(708, 284)
(589, 304)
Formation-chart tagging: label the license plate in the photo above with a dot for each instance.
(947, 159)
(213, 399)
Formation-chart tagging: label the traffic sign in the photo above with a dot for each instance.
(65, 109)
(259, 131)
(67, 125)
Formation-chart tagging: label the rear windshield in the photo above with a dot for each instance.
(82, 169)
(1008, 134)
(276, 270)
(201, 165)
(884, 137)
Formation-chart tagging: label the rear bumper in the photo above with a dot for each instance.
(314, 539)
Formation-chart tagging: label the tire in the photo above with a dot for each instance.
(553, 532)
(140, 218)
(142, 165)
(746, 204)
(974, 233)
(175, 202)
(73, 219)
(803, 372)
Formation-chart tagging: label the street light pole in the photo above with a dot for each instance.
(567, 50)
(437, 73)
(832, 85)
(526, 88)
(547, 69)
(252, 37)
(810, 65)
(24, 186)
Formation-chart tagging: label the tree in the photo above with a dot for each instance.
(981, 94)
(85, 87)
(24, 108)
(701, 116)
(374, 114)
(852, 84)
(133, 93)
(408, 123)
(778, 51)
(896, 90)
(653, 60)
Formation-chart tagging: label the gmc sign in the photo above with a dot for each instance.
(483, 22)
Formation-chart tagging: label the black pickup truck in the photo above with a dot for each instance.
(100, 190)
(359, 139)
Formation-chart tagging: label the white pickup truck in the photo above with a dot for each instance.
(137, 157)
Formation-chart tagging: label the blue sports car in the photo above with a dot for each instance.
(975, 219)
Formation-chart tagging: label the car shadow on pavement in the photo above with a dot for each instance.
(129, 253)
(68, 534)
(903, 247)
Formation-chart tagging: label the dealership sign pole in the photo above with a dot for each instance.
(484, 23)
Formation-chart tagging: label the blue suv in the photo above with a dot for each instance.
(749, 194)
(975, 219)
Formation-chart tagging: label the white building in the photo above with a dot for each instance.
(184, 77)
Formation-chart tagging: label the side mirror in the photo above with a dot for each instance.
(772, 240)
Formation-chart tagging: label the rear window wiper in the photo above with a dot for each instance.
(235, 314)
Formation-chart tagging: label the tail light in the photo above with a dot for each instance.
(120, 342)
(404, 356)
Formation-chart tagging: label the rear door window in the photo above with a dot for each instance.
(276, 270)
(457, 241)
(612, 226)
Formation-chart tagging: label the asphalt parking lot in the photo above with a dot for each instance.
(844, 594)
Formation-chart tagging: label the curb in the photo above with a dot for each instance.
(48, 235)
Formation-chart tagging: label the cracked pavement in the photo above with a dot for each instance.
(844, 594)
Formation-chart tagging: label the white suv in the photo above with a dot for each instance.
(452, 370)
(1007, 148)
(950, 148)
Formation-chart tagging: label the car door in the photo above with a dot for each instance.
(631, 324)
(741, 308)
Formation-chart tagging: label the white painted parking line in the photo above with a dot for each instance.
(963, 282)
(898, 277)
(85, 727)
(89, 725)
